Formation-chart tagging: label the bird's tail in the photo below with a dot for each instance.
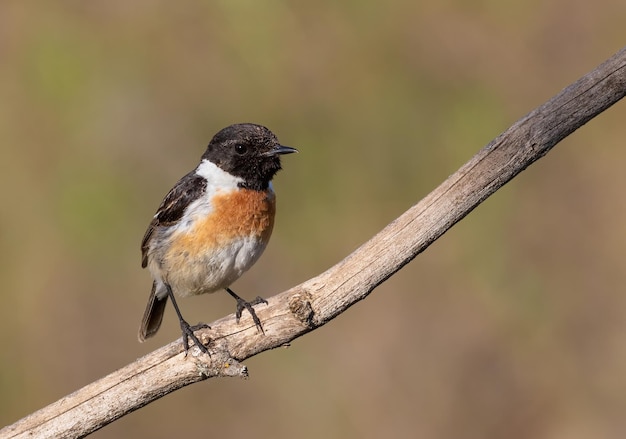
(153, 316)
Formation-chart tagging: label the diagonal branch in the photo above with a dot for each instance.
(313, 303)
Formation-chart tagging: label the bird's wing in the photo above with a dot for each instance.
(188, 189)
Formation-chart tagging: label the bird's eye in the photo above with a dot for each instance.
(241, 149)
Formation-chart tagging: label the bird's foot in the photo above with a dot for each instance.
(188, 333)
(243, 304)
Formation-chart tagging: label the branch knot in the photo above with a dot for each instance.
(300, 306)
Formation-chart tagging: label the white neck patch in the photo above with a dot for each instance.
(216, 177)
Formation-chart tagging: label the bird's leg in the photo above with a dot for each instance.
(242, 304)
(188, 330)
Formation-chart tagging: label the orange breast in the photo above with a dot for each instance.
(241, 213)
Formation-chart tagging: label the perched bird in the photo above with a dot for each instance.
(213, 225)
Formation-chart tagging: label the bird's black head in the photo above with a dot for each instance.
(249, 151)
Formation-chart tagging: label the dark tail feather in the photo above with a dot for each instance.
(153, 316)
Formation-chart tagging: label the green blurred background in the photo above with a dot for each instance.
(512, 325)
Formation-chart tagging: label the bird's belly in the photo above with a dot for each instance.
(214, 269)
(211, 253)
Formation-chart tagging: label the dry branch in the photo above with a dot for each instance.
(313, 303)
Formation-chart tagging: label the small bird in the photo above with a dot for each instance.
(213, 225)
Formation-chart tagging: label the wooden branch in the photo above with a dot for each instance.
(313, 303)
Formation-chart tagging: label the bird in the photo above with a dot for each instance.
(213, 225)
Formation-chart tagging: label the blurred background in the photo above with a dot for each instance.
(513, 324)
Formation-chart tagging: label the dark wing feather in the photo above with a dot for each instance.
(188, 189)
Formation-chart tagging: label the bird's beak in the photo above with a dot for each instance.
(280, 150)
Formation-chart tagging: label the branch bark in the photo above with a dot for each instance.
(311, 304)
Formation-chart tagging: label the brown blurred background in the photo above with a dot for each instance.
(511, 325)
